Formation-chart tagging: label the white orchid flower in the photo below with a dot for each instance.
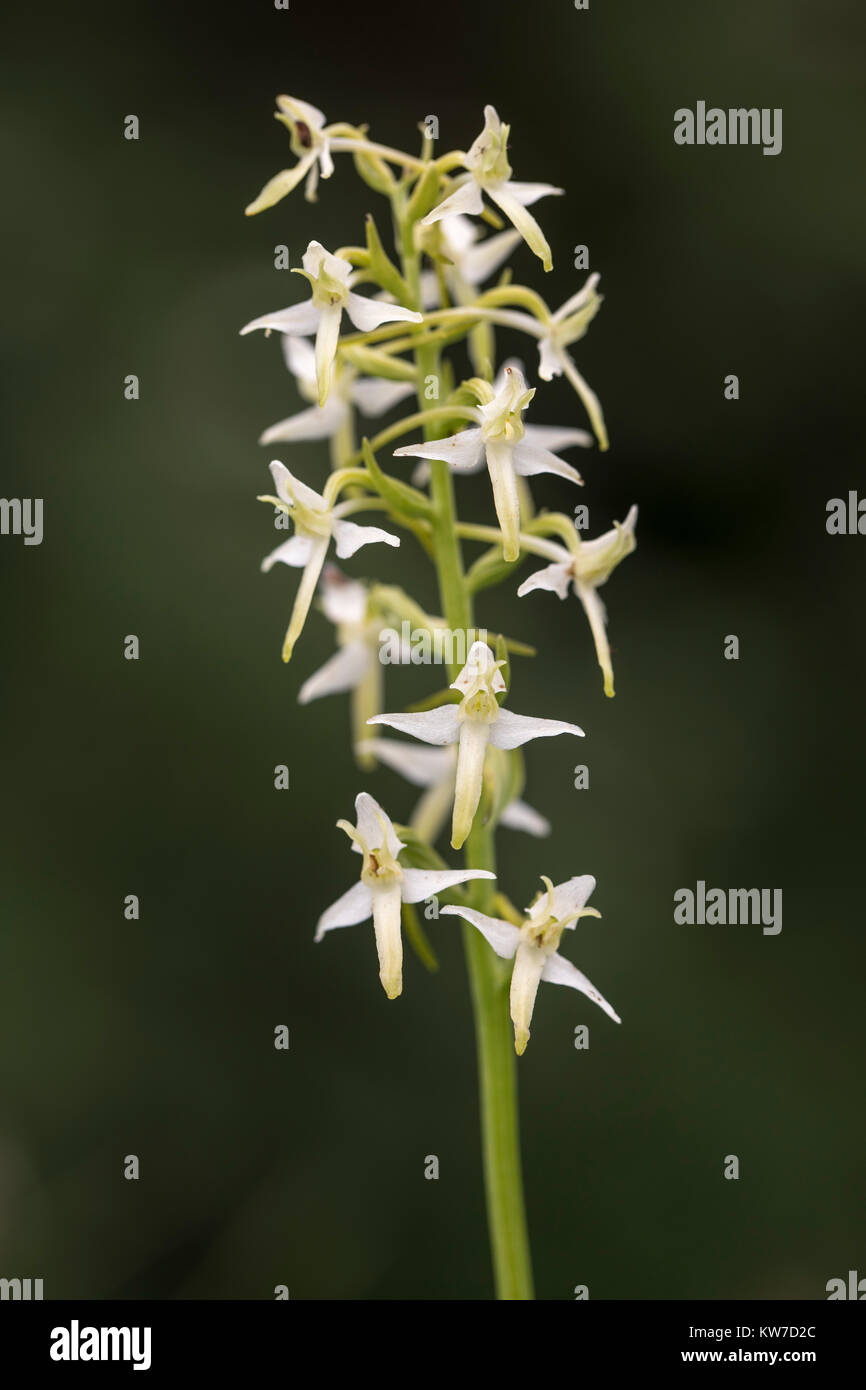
(510, 449)
(316, 523)
(331, 278)
(355, 666)
(435, 769)
(586, 569)
(467, 262)
(490, 172)
(534, 948)
(371, 395)
(384, 886)
(310, 142)
(473, 723)
(566, 326)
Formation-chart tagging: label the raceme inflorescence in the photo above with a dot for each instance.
(456, 219)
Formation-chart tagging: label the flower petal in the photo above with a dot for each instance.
(463, 451)
(289, 488)
(375, 826)
(513, 730)
(503, 936)
(570, 897)
(356, 905)
(501, 463)
(367, 314)
(527, 193)
(556, 436)
(465, 200)
(317, 422)
(555, 577)
(343, 671)
(389, 941)
(276, 188)
(304, 596)
(559, 971)
(524, 222)
(422, 767)
(471, 752)
(295, 552)
(343, 600)
(438, 726)
(373, 397)
(419, 884)
(529, 963)
(297, 319)
(327, 338)
(595, 611)
(349, 537)
(479, 262)
(518, 816)
(531, 459)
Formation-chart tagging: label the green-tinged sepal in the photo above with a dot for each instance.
(374, 362)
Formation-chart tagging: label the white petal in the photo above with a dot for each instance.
(281, 184)
(501, 463)
(318, 422)
(480, 661)
(423, 767)
(559, 971)
(298, 110)
(389, 941)
(295, 552)
(300, 358)
(464, 200)
(327, 338)
(306, 591)
(513, 730)
(531, 459)
(570, 897)
(343, 600)
(503, 936)
(595, 611)
(343, 671)
(375, 397)
(354, 906)
(419, 884)
(438, 726)
(578, 300)
(299, 318)
(367, 314)
(471, 752)
(350, 537)
(374, 825)
(527, 193)
(463, 452)
(524, 222)
(518, 816)
(557, 437)
(288, 487)
(480, 262)
(556, 578)
(549, 359)
(529, 962)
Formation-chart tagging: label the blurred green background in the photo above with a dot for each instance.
(156, 778)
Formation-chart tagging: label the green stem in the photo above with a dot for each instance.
(497, 1070)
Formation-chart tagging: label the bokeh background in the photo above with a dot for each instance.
(156, 778)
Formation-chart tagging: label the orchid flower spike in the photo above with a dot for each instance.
(306, 125)
(315, 524)
(534, 948)
(510, 449)
(435, 770)
(371, 395)
(384, 885)
(490, 172)
(586, 568)
(331, 279)
(566, 326)
(473, 723)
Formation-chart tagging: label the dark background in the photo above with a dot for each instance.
(156, 777)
